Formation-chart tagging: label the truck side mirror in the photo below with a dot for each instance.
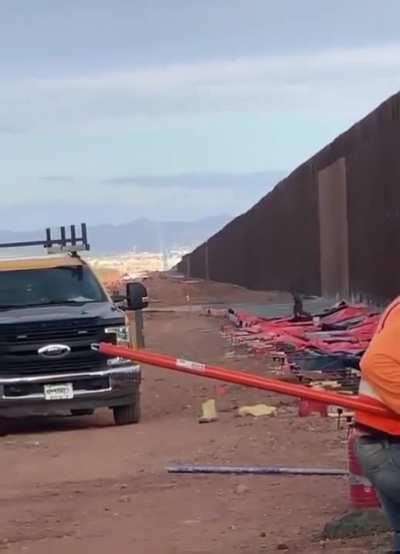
(136, 296)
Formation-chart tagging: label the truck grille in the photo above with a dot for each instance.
(19, 347)
(48, 334)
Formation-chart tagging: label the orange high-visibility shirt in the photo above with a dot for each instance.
(380, 364)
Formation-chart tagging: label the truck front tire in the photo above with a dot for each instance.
(128, 414)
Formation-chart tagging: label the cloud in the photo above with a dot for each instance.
(199, 180)
(58, 179)
(326, 82)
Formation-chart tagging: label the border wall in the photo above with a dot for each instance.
(331, 228)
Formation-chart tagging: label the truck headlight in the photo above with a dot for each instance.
(117, 335)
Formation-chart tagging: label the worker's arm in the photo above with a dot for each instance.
(381, 365)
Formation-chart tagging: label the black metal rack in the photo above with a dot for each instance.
(70, 244)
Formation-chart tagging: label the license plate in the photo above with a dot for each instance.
(59, 392)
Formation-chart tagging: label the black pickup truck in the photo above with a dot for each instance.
(52, 309)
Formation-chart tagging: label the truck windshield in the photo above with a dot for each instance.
(43, 287)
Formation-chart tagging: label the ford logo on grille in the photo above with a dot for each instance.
(54, 351)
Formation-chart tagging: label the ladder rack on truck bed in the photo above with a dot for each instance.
(68, 244)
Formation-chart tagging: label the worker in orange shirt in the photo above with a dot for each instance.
(378, 438)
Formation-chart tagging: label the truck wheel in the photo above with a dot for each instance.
(128, 414)
(3, 427)
(82, 412)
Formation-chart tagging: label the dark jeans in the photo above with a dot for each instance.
(380, 461)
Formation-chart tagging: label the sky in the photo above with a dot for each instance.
(177, 109)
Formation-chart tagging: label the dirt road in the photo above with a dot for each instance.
(84, 486)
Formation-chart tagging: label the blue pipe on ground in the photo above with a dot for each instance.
(253, 470)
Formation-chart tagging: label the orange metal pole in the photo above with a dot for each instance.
(246, 379)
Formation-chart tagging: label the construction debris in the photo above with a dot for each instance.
(258, 410)
(209, 412)
(326, 384)
(330, 343)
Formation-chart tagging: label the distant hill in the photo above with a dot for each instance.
(140, 234)
(146, 235)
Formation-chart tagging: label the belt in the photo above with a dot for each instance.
(364, 430)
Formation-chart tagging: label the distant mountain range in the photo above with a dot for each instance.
(142, 235)
(152, 236)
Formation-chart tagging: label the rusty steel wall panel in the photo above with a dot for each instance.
(276, 244)
(334, 230)
(282, 236)
(373, 177)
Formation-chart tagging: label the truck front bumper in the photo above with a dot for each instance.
(108, 387)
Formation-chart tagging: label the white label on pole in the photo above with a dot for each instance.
(187, 364)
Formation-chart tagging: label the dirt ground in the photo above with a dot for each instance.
(167, 292)
(82, 485)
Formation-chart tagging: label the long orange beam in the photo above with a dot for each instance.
(246, 379)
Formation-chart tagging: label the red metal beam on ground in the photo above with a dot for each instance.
(246, 379)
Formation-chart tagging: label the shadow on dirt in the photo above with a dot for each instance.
(58, 423)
